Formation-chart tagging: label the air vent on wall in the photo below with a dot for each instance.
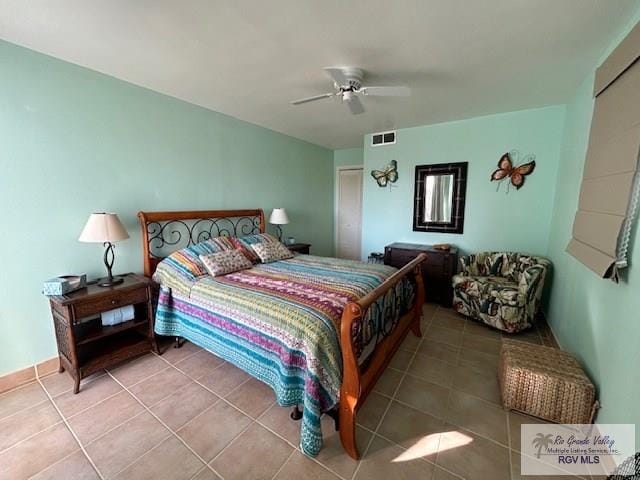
(383, 138)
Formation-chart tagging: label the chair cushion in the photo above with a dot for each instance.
(501, 288)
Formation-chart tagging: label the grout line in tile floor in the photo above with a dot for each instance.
(31, 436)
(392, 398)
(435, 461)
(171, 432)
(73, 434)
(75, 414)
(282, 466)
(195, 475)
(223, 398)
(85, 381)
(23, 409)
(164, 439)
(229, 444)
(145, 408)
(509, 443)
(296, 448)
(116, 427)
(375, 433)
(406, 449)
(19, 387)
(55, 463)
(395, 391)
(256, 420)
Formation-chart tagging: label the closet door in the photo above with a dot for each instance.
(349, 213)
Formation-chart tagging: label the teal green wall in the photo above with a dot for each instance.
(494, 220)
(73, 141)
(594, 318)
(348, 156)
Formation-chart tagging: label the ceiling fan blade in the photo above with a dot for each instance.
(355, 105)
(386, 91)
(312, 99)
(337, 75)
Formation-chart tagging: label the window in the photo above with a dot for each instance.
(609, 192)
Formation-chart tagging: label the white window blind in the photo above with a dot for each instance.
(609, 192)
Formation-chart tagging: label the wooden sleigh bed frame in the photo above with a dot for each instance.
(164, 232)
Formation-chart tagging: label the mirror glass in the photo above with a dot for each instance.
(438, 196)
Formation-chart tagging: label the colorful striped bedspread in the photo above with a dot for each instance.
(279, 322)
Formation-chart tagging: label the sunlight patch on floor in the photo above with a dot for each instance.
(430, 444)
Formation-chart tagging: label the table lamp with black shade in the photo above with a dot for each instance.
(105, 228)
(279, 217)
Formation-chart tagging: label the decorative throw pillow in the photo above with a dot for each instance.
(271, 251)
(245, 243)
(225, 262)
(221, 243)
(187, 262)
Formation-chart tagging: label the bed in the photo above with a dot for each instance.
(318, 330)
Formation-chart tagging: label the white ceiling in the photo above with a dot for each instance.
(249, 58)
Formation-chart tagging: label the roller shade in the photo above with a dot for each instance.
(610, 184)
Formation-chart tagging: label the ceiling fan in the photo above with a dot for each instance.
(347, 82)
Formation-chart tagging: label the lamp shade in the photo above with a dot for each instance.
(278, 217)
(103, 227)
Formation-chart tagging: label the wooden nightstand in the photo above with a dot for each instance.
(437, 271)
(84, 345)
(299, 247)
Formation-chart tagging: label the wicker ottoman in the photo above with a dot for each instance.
(546, 383)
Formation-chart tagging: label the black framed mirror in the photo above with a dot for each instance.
(439, 197)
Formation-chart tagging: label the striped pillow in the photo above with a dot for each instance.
(187, 261)
(245, 243)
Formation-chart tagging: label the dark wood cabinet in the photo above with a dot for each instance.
(299, 247)
(85, 346)
(436, 271)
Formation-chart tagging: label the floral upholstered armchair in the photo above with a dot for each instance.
(501, 289)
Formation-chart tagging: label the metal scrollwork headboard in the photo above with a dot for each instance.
(166, 232)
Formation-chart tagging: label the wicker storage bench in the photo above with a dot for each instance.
(546, 383)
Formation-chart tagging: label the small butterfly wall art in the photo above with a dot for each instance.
(387, 176)
(516, 175)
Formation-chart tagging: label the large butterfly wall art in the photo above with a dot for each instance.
(387, 176)
(515, 174)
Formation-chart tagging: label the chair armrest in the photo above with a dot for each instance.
(466, 267)
(532, 281)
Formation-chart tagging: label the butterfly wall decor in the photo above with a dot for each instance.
(515, 174)
(387, 176)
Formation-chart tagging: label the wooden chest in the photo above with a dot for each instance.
(437, 271)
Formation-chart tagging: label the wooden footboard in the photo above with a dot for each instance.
(357, 381)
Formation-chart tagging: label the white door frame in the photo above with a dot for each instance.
(336, 189)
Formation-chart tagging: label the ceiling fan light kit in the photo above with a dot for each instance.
(347, 82)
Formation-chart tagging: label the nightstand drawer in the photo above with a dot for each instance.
(102, 304)
(399, 258)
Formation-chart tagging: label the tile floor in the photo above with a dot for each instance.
(186, 414)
